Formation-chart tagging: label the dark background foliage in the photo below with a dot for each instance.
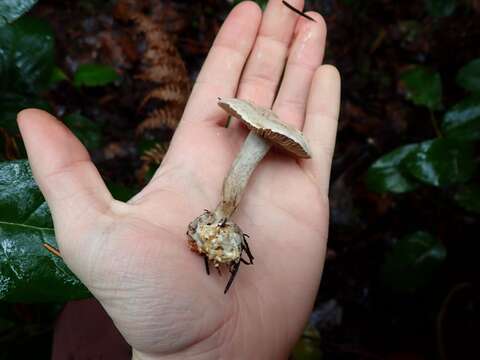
(400, 280)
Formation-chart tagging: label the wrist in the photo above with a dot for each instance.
(139, 356)
(136, 355)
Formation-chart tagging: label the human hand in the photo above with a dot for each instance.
(133, 256)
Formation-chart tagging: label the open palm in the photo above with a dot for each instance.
(134, 257)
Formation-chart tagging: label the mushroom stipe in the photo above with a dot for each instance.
(213, 235)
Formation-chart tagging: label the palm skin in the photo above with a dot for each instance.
(134, 256)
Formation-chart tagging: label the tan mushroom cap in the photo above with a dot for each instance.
(267, 124)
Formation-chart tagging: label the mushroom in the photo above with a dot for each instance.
(213, 235)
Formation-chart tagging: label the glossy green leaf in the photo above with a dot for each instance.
(308, 347)
(463, 120)
(441, 162)
(87, 131)
(29, 272)
(440, 8)
(11, 104)
(94, 75)
(423, 86)
(121, 192)
(468, 76)
(412, 262)
(10, 10)
(387, 174)
(26, 55)
(57, 76)
(468, 197)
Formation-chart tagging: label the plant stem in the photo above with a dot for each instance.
(436, 128)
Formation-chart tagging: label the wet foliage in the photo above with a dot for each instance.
(400, 277)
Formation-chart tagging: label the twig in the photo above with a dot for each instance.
(295, 10)
(433, 119)
(52, 249)
(378, 41)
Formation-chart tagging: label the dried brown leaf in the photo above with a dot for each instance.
(114, 150)
(160, 65)
(160, 118)
(10, 151)
(151, 157)
(156, 154)
(161, 73)
(171, 93)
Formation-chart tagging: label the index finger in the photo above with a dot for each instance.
(223, 67)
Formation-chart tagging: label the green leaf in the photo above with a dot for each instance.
(10, 10)
(11, 104)
(468, 76)
(94, 75)
(29, 272)
(468, 197)
(5, 325)
(5, 317)
(88, 131)
(412, 262)
(121, 192)
(26, 55)
(423, 86)
(463, 120)
(58, 75)
(308, 347)
(441, 162)
(305, 349)
(387, 175)
(440, 8)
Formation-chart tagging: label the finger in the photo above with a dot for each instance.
(62, 168)
(222, 69)
(265, 65)
(321, 123)
(305, 56)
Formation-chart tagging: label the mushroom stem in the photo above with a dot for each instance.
(252, 152)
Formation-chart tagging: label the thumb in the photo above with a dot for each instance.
(72, 186)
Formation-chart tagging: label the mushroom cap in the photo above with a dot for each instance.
(267, 124)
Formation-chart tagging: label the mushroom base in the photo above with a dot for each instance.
(220, 240)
